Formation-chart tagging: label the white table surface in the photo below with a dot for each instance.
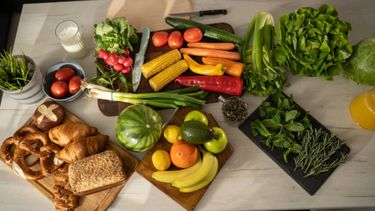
(250, 180)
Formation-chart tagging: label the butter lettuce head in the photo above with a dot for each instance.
(313, 42)
(361, 66)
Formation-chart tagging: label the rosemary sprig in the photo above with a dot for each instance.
(318, 151)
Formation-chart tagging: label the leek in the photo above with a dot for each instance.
(190, 97)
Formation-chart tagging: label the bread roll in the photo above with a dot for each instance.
(96, 172)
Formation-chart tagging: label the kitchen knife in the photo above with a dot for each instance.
(139, 58)
(166, 123)
(201, 13)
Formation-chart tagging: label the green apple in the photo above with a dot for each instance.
(218, 143)
(197, 116)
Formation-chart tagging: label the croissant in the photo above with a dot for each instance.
(65, 133)
(82, 147)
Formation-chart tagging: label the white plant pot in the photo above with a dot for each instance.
(32, 92)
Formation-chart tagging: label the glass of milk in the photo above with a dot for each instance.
(71, 38)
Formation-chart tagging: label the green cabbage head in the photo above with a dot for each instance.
(361, 66)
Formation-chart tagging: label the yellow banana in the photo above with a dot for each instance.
(196, 176)
(170, 176)
(205, 181)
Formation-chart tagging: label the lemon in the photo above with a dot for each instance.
(160, 159)
(172, 133)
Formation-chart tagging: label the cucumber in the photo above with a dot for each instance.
(208, 31)
(195, 132)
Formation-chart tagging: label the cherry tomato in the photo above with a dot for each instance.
(159, 39)
(128, 62)
(74, 84)
(102, 54)
(59, 89)
(118, 67)
(193, 35)
(175, 40)
(64, 74)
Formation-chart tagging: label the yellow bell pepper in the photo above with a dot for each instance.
(203, 69)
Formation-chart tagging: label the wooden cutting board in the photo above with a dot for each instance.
(151, 13)
(145, 167)
(99, 200)
(109, 108)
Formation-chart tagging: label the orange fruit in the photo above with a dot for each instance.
(184, 155)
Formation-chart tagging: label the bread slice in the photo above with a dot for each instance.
(96, 172)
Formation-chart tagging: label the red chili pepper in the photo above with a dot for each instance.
(222, 84)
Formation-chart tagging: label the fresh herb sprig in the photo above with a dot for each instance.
(109, 77)
(280, 125)
(318, 151)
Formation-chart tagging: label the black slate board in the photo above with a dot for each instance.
(310, 184)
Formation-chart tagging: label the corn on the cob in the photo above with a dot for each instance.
(159, 63)
(169, 74)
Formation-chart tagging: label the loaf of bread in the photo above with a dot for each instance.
(96, 172)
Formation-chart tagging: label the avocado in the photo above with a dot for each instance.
(195, 132)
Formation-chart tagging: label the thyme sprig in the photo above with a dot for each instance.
(318, 152)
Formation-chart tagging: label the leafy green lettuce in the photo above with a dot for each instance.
(115, 35)
(313, 42)
(361, 66)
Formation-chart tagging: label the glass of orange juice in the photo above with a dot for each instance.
(362, 110)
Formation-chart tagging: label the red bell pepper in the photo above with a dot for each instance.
(222, 84)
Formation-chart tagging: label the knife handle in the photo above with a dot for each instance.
(212, 12)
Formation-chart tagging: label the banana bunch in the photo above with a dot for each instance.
(193, 178)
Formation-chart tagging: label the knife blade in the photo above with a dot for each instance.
(139, 59)
(166, 123)
(201, 13)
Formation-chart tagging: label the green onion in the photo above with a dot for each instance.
(159, 99)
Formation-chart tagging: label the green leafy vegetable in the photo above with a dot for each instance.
(313, 42)
(280, 124)
(262, 76)
(108, 78)
(115, 35)
(361, 66)
(319, 152)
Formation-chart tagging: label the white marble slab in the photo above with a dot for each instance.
(249, 180)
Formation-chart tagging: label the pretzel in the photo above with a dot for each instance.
(49, 163)
(36, 144)
(23, 131)
(30, 142)
(7, 149)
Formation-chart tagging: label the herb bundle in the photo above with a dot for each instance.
(318, 151)
(280, 125)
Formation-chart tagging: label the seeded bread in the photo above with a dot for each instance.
(96, 172)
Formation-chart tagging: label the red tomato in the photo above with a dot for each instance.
(64, 74)
(160, 38)
(175, 40)
(128, 62)
(193, 35)
(59, 89)
(74, 84)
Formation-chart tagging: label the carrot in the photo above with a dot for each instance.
(212, 45)
(230, 67)
(211, 53)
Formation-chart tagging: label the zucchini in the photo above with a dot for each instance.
(208, 31)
